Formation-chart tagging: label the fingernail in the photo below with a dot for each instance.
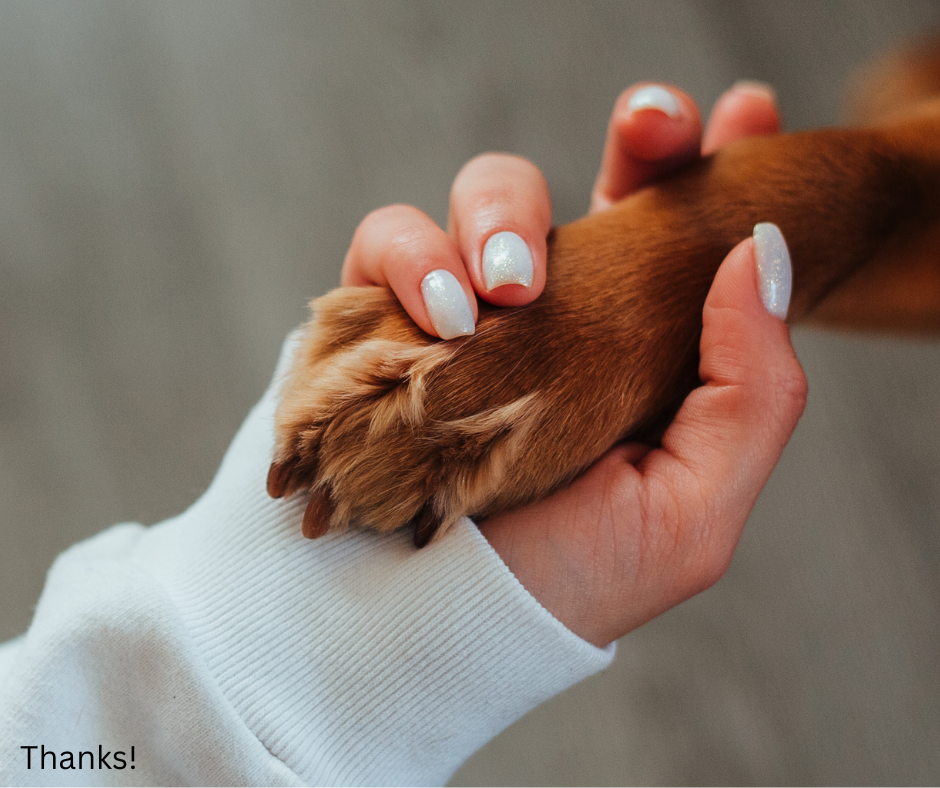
(507, 261)
(774, 272)
(447, 305)
(654, 97)
(756, 88)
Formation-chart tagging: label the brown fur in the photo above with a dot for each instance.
(387, 426)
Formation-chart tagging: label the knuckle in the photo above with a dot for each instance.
(479, 166)
(796, 387)
(407, 237)
(493, 161)
(388, 216)
(791, 390)
(398, 229)
(499, 178)
(395, 239)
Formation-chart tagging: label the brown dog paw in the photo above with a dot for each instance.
(356, 383)
(377, 421)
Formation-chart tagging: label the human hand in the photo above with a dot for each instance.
(399, 246)
(642, 530)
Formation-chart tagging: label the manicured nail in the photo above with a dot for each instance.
(774, 273)
(447, 304)
(507, 261)
(756, 88)
(654, 97)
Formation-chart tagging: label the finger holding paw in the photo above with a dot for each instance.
(402, 248)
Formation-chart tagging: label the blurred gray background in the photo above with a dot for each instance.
(177, 179)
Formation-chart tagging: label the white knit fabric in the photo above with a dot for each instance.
(225, 648)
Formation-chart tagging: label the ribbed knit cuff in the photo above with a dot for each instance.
(354, 658)
(8, 654)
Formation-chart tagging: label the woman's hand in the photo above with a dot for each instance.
(438, 274)
(643, 529)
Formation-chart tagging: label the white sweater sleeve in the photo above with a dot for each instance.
(223, 647)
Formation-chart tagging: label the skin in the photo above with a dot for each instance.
(643, 529)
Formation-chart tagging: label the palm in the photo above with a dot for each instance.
(640, 532)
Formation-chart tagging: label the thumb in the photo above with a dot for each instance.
(730, 432)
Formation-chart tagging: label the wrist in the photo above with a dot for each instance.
(545, 569)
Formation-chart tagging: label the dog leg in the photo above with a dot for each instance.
(386, 426)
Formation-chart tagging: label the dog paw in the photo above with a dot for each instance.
(385, 425)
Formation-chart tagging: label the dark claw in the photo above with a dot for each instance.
(290, 475)
(317, 517)
(278, 476)
(427, 524)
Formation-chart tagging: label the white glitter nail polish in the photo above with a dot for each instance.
(447, 304)
(507, 261)
(774, 272)
(654, 97)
